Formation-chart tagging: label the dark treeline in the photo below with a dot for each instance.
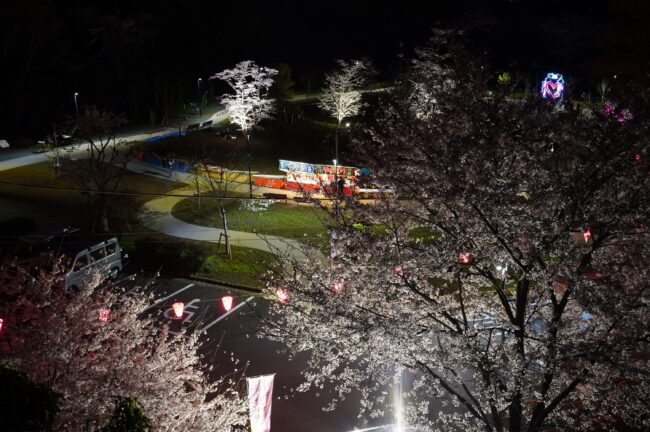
(144, 59)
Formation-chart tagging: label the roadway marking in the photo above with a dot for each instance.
(227, 313)
(168, 297)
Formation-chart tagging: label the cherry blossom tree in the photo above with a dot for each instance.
(99, 344)
(341, 97)
(250, 104)
(507, 276)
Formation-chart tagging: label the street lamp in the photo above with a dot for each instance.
(198, 83)
(76, 107)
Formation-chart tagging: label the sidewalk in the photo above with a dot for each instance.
(156, 215)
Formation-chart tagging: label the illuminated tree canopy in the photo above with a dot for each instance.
(477, 279)
(97, 344)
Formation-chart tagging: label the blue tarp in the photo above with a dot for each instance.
(153, 160)
(162, 137)
(179, 165)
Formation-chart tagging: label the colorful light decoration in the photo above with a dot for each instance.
(622, 116)
(1, 323)
(586, 235)
(464, 257)
(103, 315)
(282, 295)
(337, 287)
(178, 308)
(226, 302)
(553, 86)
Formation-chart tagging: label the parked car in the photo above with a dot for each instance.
(104, 256)
(81, 254)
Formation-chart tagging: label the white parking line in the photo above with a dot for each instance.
(169, 296)
(227, 313)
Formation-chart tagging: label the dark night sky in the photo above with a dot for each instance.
(131, 56)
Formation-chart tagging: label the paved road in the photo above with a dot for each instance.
(235, 333)
(14, 158)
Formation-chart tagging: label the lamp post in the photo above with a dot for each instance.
(198, 83)
(76, 106)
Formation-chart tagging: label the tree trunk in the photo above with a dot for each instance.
(336, 142)
(103, 216)
(250, 177)
(224, 218)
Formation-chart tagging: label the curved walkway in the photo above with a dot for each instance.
(156, 215)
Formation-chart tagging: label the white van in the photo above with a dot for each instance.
(106, 257)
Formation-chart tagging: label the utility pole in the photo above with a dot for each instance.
(198, 82)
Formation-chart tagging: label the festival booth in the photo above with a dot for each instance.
(306, 177)
(268, 180)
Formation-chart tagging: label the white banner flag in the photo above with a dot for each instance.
(260, 397)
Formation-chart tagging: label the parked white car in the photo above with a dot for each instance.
(105, 257)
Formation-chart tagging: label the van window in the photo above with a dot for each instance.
(82, 261)
(98, 254)
(111, 248)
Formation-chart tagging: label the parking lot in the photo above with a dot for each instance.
(203, 308)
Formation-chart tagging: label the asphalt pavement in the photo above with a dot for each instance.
(234, 335)
(17, 157)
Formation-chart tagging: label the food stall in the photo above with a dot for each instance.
(308, 177)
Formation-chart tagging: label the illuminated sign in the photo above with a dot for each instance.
(553, 86)
(303, 167)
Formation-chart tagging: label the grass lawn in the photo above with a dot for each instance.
(49, 207)
(178, 257)
(147, 250)
(299, 222)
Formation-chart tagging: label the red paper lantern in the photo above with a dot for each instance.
(178, 309)
(464, 257)
(1, 323)
(586, 235)
(103, 315)
(282, 295)
(337, 287)
(226, 302)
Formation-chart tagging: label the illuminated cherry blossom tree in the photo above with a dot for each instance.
(98, 344)
(250, 104)
(341, 97)
(506, 278)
